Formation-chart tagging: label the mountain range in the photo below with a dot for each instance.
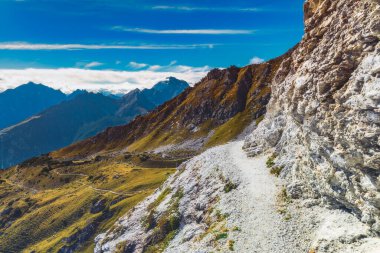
(214, 111)
(25, 101)
(79, 115)
(281, 156)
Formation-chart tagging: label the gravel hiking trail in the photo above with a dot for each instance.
(264, 229)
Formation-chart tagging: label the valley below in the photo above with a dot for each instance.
(57, 206)
(277, 156)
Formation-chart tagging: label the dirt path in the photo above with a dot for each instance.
(252, 217)
(90, 186)
(264, 229)
(252, 208)
(19, 185)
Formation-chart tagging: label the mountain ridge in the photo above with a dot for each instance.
(305, 179)
(26, 100)
(232, 92)
(311, 180)
(323, 118)
(83, 115)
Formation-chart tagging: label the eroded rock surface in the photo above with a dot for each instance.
(323, 124)
(324, 115)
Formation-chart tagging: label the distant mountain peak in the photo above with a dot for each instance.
(32, 85)
(173, 79)
(169, 84)
(164, 90)
(26, 100)
(76, 116)
(76, 93)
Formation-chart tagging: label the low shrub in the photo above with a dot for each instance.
(231, 244)
(149, 221)
(159, 199)
(221, 236)
(276, 171)
(229, 186)
(270, 162)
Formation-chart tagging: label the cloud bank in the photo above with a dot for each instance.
(185, 31)
(70, 79)
(136, 65)
(193, 8)
(31, 46)
(256, 60)
(93, 64)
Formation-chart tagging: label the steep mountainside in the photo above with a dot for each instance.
(320, 136)
(306, 179)
(52, 206)
(215, 110)
(84, 197)
(26, 100)
(84, 115)
(323, 118)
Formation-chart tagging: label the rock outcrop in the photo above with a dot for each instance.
(323, 119)
(322, 123)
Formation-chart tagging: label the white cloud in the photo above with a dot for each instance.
(136, 65)
(185, 31)
(30, 46)
(69, 79)
(172, 67)
(155, 67)
(193, 8)
(93, 64)
(256, 60)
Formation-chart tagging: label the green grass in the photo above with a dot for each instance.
(283, 200)
(159, 199)
(221, 236)
(166, 226)
(230, 130)
(231, 244)
(229, 186)
(276, 171)
(259, 119)
(284, 197)
(62, 208)
(160, 247)
(270, 162)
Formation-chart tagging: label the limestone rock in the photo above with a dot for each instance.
(323, 118)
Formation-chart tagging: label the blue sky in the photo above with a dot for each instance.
(144, 35)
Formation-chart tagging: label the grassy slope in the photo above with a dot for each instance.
(254, 110)
(47, 207)
(225, 101)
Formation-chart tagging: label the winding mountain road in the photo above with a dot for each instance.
(90, 186)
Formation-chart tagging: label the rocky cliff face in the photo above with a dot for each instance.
(324, 115)
(322, 123)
